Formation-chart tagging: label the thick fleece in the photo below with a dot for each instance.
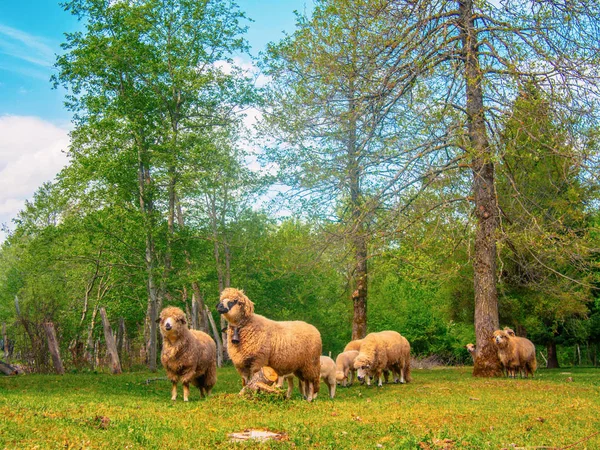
(254, 341)
(189, 356)
(386, 350)
(517, 354)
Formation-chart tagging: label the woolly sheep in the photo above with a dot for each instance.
(254, 341)
(515, 353)
(386, 350)
(345, 371)
(189, 356)
(353, 345)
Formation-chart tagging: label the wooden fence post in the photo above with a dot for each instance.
(110, 344)
(53, 347)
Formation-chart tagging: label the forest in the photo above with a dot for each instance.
(424, 166)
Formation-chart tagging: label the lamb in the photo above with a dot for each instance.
(386, 350)
(345, 371)
(254, 341)
(328, 374)
(189, 356)
(515, 353)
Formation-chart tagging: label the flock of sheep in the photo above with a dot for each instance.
(293, 349)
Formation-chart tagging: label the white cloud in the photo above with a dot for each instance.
(31, 153)
(25, 46)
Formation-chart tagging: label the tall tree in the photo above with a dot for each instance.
(141, 75)
(344, 145)
(473, 56)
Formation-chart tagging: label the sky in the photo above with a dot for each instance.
(34, 124)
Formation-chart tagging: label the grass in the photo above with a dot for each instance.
(440, 409)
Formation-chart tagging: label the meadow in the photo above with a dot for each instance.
(442, 408)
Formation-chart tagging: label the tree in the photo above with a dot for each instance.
(546, 242)
(473, 56)
(343, 134)
(142, 75)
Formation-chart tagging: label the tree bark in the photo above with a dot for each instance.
(5, 341)
(552, 356)
(53, 347)
(216, 337)
(146, 209)
(486, 362)
(120, 337)
(111, 346)
(358, 238)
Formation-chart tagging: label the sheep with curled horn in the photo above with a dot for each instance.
(253, 341)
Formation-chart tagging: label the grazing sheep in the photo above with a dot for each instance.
(189, 356)
(327, 374)
(346, 373)
(254, 341)
(515, 353)
(386, 350)
(353, 345)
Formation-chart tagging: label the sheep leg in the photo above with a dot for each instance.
(402, 377)
(332, 388)
(380, 378)
(309, 388)
(173, 390)
(186, 391)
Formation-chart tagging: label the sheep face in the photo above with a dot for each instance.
(235, 306)
(501, 338)
(172, 322)
(470, 348)
(363, 368)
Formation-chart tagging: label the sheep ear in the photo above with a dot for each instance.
(182, 320)
(158, 320)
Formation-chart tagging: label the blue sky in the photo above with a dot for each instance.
(34, 125)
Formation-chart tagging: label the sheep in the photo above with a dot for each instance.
(254, 341)
(515, 353)
(471, 349)
(353, 345)
(189, 356)
(328, 374)
(386, 350)
(346, 373)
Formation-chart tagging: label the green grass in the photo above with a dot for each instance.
(106, 411)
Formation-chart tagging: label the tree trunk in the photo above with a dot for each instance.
(216, 337)
(357, 231)
(89, 347)
(486, 363)
(552, 356)
(53, 347)
(5, 342)
(120, 337)
(111, 346)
